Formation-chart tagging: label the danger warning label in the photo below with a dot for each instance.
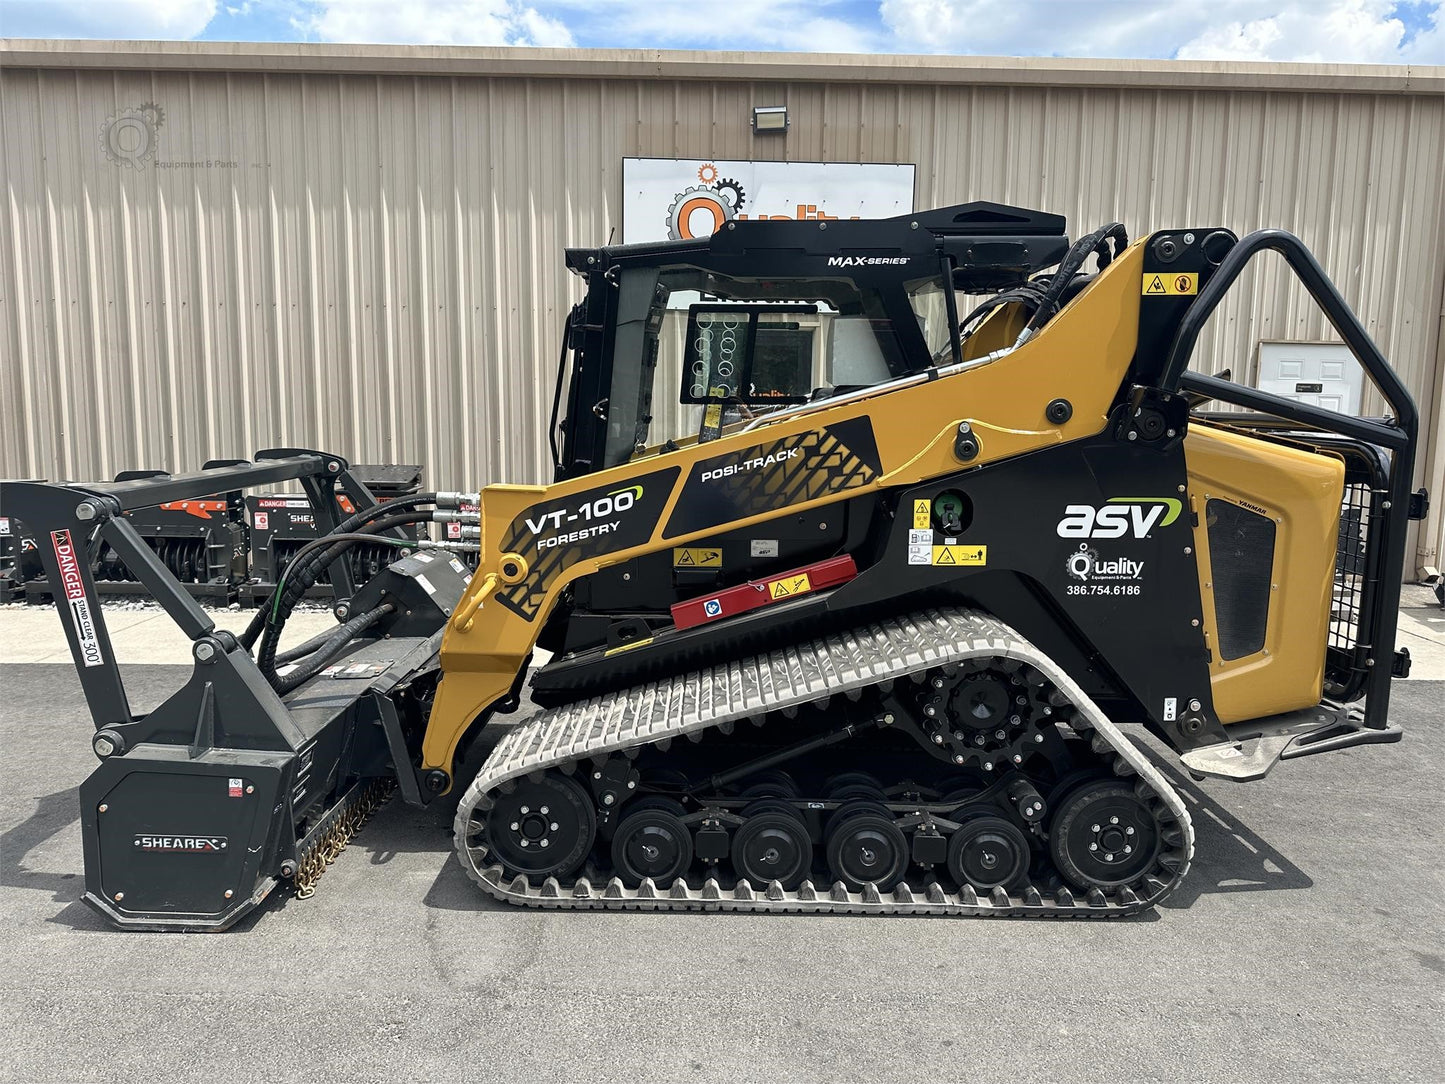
(948, 555)
(1166, 285)
(789, 586)
(694, 557)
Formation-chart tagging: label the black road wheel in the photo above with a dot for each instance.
(652, 843)
(542, 828)
(772, 846)
(988, 852)
(773, 784)
(848, 786)
(848, 810)
(1103, 835)
(865, 847)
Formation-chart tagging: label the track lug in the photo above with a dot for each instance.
(614, 890)
(711, 890)
(999, 898)
(1064, 898)
(1173, 861)
(1096, 898)
(968, 896)
(519, 885)
(839, 892)
(679, 891)
(935, 893)
(1032, 897)
(1126, 896)
(904, 894)
(775, 891)
(551, 889)
(743, 890)
(647, 890)
(806, 891)
(582, 890)
(870, 893)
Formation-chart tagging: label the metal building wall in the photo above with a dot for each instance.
(371, 263)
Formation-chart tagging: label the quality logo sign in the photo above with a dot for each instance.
(681, 199)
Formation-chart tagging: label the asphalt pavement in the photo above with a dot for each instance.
(1305, 944)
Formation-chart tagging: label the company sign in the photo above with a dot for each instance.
(681, 198)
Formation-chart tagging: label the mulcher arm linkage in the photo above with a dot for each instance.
(199, 808)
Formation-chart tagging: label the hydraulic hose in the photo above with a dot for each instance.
(346, 526)
(1082, 249)
(337, 639)
(301, 573)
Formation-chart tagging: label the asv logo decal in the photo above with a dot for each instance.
(1121, 516)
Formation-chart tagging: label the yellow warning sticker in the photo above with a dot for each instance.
(921, 514)
(789, 586)
(627, 647)
(694, 557)
(960, 555)
(1164, 284)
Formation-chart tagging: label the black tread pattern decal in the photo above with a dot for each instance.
(788, 471)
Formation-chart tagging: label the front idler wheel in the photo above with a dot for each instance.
(652, 843)
(1104, 836)
(542, 828)
(772, 845)
(988, 852)
(867, 847)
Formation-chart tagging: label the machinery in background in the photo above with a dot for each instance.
(282, 523)
(219, 546)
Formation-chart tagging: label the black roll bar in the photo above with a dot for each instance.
(1397, 434)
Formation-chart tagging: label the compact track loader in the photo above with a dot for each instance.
(866, 539)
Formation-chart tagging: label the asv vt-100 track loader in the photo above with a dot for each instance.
(846, 596)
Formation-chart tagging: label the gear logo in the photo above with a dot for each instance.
(705, 208)
(1082, 561)
(130, 137)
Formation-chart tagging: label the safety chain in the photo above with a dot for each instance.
(343, 823)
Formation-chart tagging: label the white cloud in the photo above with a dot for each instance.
(435, 22)
(1341, 31)
(143, 19)
(821, 26)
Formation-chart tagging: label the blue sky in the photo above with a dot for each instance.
(1345, 31)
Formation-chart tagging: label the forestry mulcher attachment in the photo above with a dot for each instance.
(844, 595)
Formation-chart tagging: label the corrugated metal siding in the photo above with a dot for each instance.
(380, 272)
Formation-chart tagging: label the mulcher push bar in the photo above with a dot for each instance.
(65, 519)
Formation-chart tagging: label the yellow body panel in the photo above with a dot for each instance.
(1300, 491)
(1082, 355)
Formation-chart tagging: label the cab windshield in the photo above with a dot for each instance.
(697, 354)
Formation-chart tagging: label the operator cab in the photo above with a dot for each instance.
(680, 341)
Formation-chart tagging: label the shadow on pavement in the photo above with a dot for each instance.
(53, 813)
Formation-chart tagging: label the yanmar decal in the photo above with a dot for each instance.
(1121, 516)
(87, 636)
(556, 534)
(774, 476)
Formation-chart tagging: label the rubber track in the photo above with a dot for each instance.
(793, 676)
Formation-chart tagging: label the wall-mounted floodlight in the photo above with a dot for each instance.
(768, 119)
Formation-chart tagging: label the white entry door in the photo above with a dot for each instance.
(1320, 374)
